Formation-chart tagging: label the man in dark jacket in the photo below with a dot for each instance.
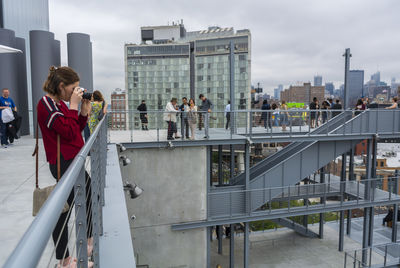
(205, 108)
(266, 116)
(142, 108)
(336, 106)
(184, 108)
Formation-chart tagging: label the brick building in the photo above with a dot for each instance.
(118, 107)
(303, 94)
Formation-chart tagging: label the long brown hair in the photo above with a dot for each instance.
(97, 96)
(57, 75)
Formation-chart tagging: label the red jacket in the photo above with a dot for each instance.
(56, 119)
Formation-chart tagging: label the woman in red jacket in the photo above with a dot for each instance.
(56, 119)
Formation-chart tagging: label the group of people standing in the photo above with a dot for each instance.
(278, 115)
(189, 114)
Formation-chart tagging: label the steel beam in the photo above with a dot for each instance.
(232, 166)
(247, 172)
(208, 245)
(232, 247)
(246, 245)
(341, 231)
(281, 213)
(219, 232)
(322, 201)
(232, 86)
(220, 173)
(365, 239)
(394, 223)
(348, 227)
(371, 226)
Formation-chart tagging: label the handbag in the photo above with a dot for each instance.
(101, 113)
(7, 115)
(40, 195)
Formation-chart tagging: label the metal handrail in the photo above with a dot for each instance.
(31, 246)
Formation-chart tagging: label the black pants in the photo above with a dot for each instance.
(171, 129)
(228, 120)
(58, 231)
(185, 127)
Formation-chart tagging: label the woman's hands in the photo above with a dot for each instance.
(76, 98)
(86, 107)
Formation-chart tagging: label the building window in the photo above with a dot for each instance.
(242, 57)
(242, 70)
(208, 77)
(167, 90)
(208, 90)
(200, 66)
(209, 66)
(220, 95)
(176, 85)
(199, 78)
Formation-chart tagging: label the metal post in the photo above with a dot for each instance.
(321, 215)
(348, 226)
(394, 223)
(220, 178)
(371, 226)
(351, 177)
(365, 234)
(95, 171)
(80, 218)
(246, 245)
(341, 230)
(232, 167)
(219, 232)
(232, 85)
(351, 165)
(232, 247)
(367, 211)
(206, 116)
(347, 56)
(247, 173)
(210, 162)
(208, 246)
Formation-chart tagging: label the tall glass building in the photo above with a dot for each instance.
(185, 64)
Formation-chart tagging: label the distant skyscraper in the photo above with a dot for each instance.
(171, 62)
(277, 92)
(317, 81)
(356, 87)
(329, 87)
(376, 77)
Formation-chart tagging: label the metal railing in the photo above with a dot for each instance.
(375, 256)
(254, 123)
(226, 203)
(88, 211)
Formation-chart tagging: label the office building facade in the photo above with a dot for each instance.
(180, 64)
(118, 106)
(356, 87)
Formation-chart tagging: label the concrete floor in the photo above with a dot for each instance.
(17, 180)
(285, 248)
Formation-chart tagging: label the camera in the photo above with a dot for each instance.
(86, 95)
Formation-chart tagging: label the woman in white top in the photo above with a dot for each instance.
(192, 118)
(394, 104)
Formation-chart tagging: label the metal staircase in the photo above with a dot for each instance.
(297, 161)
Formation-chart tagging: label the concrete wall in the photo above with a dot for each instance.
(174, 184)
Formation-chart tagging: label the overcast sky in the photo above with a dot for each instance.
(292, 40)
